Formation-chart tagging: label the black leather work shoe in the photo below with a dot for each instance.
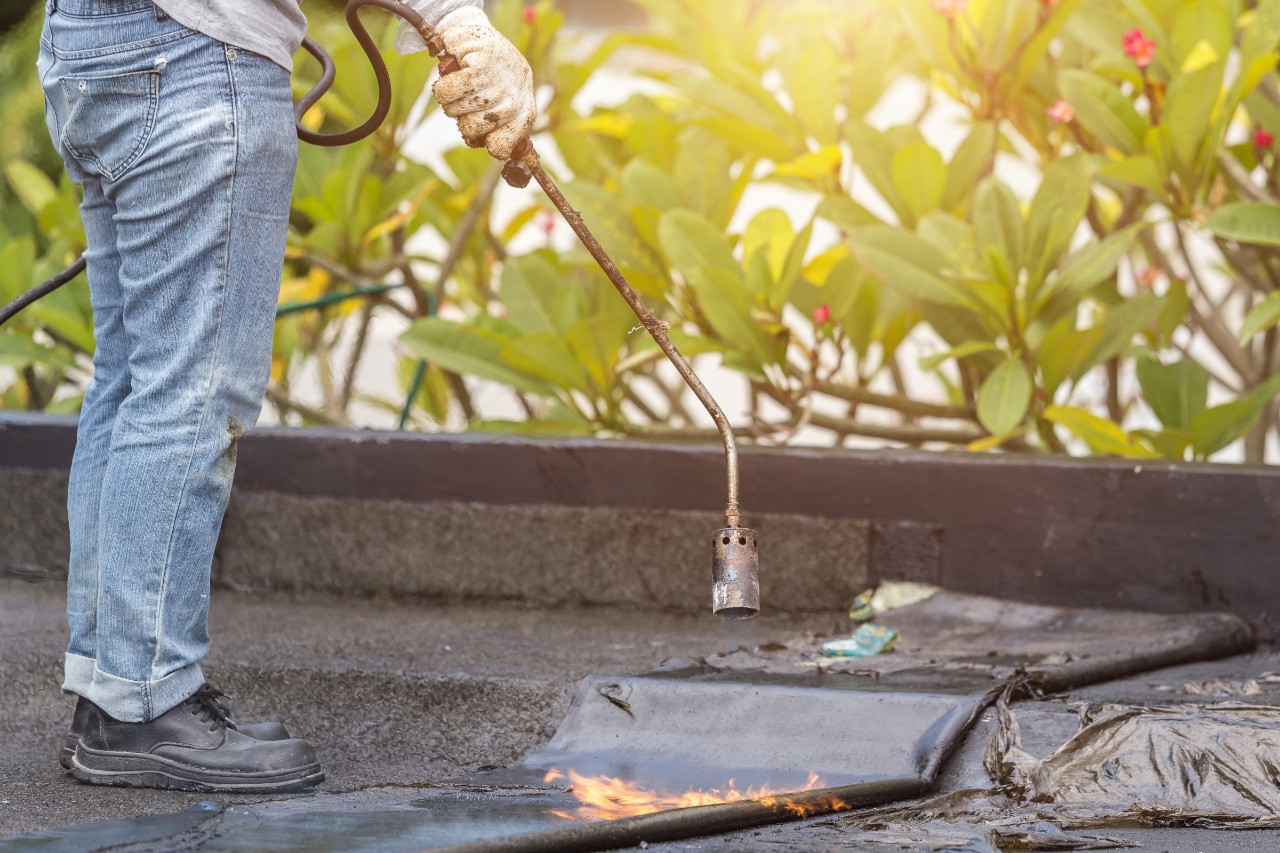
(193, 747)
(271, 730)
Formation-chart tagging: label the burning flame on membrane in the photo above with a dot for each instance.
(607, 798)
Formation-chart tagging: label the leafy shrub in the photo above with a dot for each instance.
(1126, 305)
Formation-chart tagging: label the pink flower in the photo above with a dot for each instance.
(1262, 138)
(548, 222)
(822, 314)
(1061, 111)
(947, 8)
(530, 14)
(1139, 47)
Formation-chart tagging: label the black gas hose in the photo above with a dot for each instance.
(37, 293)
(329, 140)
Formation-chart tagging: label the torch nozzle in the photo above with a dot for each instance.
(735, 571)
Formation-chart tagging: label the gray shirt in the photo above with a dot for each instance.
(273, 28)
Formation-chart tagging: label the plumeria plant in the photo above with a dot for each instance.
(1028, 225)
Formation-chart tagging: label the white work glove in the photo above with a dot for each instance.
(492, 97)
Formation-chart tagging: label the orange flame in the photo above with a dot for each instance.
(607, 798)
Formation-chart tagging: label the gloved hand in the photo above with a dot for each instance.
(492, 97)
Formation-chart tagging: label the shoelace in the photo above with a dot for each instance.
(207, 704)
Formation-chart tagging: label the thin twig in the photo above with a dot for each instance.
(466, 227)
(1218, 335)
(357, 353)
(284, 404)
(1212, 324)
(1239, 178)
(914, 408)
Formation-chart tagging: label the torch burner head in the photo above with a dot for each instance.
(735, 571)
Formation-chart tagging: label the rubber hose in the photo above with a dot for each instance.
(35, 294)
(328, 140)
(370, 47)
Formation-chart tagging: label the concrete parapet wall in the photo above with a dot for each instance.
(597, 522)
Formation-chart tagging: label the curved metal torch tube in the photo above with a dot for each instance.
(656, 328)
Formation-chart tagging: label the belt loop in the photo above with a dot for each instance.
(160, 15)
(50, 6)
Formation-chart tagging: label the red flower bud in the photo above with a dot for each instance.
(1139, 47)
(530, 14)
(947, 8)
(1262, 138)
(1061, 111)
(822, 314)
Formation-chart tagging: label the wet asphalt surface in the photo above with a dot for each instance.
(401, 697)
(391, 694)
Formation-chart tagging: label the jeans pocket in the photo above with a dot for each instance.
(105, 122)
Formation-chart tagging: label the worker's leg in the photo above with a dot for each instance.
(102, 399)
(194, 145)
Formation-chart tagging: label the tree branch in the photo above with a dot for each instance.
(913, 408)
(284, 404)
(1239, 178)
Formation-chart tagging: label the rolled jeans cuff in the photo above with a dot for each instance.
(130, 701)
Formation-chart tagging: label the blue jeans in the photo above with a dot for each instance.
(186, 151)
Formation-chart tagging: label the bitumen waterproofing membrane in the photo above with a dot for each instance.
(749, 706)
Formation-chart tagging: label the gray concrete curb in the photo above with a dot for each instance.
(599, 522)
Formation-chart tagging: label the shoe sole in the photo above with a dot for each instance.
(139, 770)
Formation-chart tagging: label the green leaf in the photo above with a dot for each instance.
(792, 268)
(1247, 222)
(1065, 353)
(535, 429)
(1263, 33)
(701, 171)
(692, 243)
(1176, 392)
(1121, 323)
(727, 304)
(1213, 429)
(813, 165)
(19, 351)
(17, 267)
(647, 185)
(546, 356)
(1004, 398)
(933, 362)
(770, 232)
(1201, 34)
(1169, 443)
(1188, 113)
(1056, 212)
(535, 295)
(1102, 435)
(32, 186)
(1104, 111)
(997, 218)
(973, 159)
(874, 154)
(1086, 268)
(905, 262)
(919, 175)
(467, 350)
(1263, 316)
(611, 222)
(1140, 171)
(809, 76)
(845, 213)
(597, 343)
